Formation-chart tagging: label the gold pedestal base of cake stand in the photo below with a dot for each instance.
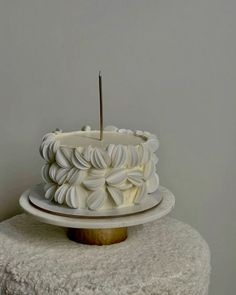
(98, 236)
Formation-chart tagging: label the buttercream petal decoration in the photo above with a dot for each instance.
(149, 169)
(45, 173)
(94, 183)
(123, 131)
(119, 156)
(153, 143)
(78, 160)
(152, 136)
(110, 149)
(63, 157)
(50, 153)
(124, 186)
(71, 174)
(67, 152)
(129, 131)
(97, 172)
(76, 176)
(48, 137)
(86, 128)
(110, 128)
(135, 177)
(50, 189)
(58, 130)
(147, 134)
(54, 168)
(141, 194)
(86, 170)
(55, 146)
(51, 150)
(116, 176)
(116, 195)
(71, 198)
(87, 153)
(144, 153)
(154, 159)
(96, 199)
(135, 173)
(139, 132)
(61, 175)
(60, 193)
(133, 156)
(100, 158)
(152, 183)
(82, 196)
(44, 151)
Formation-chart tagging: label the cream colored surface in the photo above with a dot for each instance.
(92, 138)
(168, 67)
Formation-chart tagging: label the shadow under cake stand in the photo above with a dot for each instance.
(102, 227)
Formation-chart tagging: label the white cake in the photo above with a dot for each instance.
(83, 172)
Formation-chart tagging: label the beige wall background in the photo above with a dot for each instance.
(168, 67)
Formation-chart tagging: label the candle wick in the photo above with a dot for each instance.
(101, 104)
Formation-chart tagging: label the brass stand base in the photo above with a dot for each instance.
(98, 236)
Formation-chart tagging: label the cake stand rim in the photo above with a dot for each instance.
(154, 200)
(164, 208)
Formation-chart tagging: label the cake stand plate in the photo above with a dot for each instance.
(101, 230)
(37, 198)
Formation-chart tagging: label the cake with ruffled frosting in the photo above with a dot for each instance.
(83, 172)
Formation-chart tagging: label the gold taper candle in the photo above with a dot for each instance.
(101, 105)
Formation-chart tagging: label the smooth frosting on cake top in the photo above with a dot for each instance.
(83, 172)
(86, 138)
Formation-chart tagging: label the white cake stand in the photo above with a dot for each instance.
(101, 230)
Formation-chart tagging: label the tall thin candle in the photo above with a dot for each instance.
(101, 105)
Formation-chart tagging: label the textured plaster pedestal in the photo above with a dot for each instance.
(164, 257)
